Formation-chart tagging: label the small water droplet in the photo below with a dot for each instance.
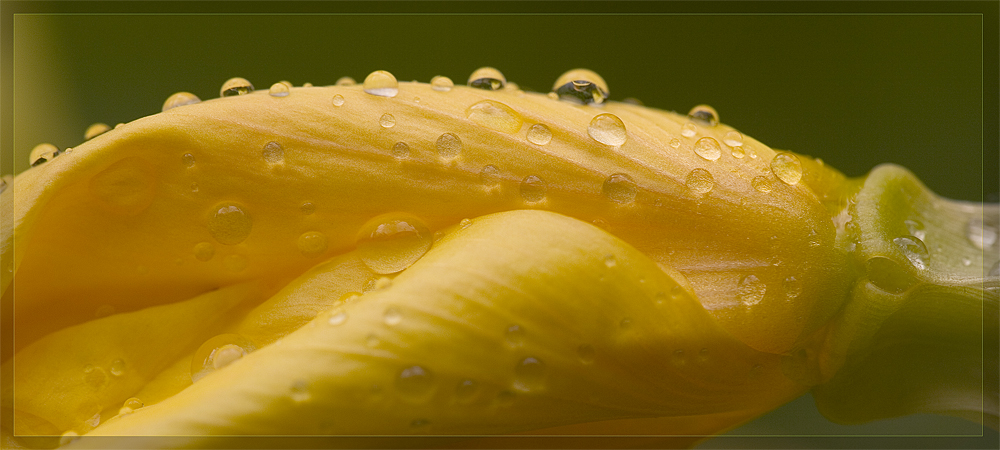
(442, 84)
(625, 323)
(194, 186)
(307, 84)
(708, 148)
(738, 152)
(619, 188)
(273, 153)
(95, 130)
(514, 335)
(915, 228)
(415, 384)
(751, 151)
(312, 244)
(235, 86)
(235, 263)
(762, 184)
(118, 367)
(607, 129)
(188, 160)
(381, 83)
(700, 181)
(218, 352)
(230, 224)
(466, 391)
(675, 143)
(490, 176)
(387, 121)
(279, 90)
(914, 250)
(42, 153)
(733, 138)
(400, 150)
(371, 341)
(539, 134)
(448, 145)
(533, 189)
(204, 251)
(610, 261)
(392, 242)
(553, 96)
(307, 208)
(180, 99)
(495, 116)
(677, 358)
(95, 377)
(705, 115)
(751, 290)
(416, 99)
(529, 374)
(689, 129)
(93, 421)
(487, 78)
(980, 234)
(792, 287)
(345, 81)
(581, 86)
(130, 406)
(300, 391)
(338, 100)
(586, 353)
(392, 316)
(464, 223)
(703, 355)
(787, 168)
(966, 261)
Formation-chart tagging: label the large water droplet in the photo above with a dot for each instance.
(42, 153)
(708, 148)
(787, 168)
(218, 352)
(400, 150)
(204, 251)
(751, 290)
(619, 188)
(704, 114)
(273, 153)
(338, 100)
(415, 384)
(278, 90)
(980, 234)
(381, 83)
(392, 242)
(914, 250)
(533, 189)
(700, 181)
(229, 224)
(490, 176)
(733, 138)
(387, 120)
(514, 335)
(442, 84)
(529, 374)
(180, 99)
(312, 244)
(487, 78)
(235, 86)
(581, 86)
(762, 184)
(607, 129)
(95, 130)
(449, 146)
(495, 116)
(539, 134)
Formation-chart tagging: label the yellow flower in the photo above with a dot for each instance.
(410, 259)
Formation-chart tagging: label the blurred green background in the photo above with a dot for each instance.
(854, 90)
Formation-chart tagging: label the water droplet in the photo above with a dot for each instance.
(625, 323)
(915, 228)
(708, 148)
(750, 151)
(529, 374)
(93, 421)
(675, 143)
(703, 355)
(68, 437)
(914, 250)
(465, 223)
(586, 353)
(273, 153)
(381, 83)
(371, 341)
(278, 90)
(392, 316)
(610, 261)
(307, 84)
(787, 168)
(392, 242)
(619, 188)
(792, 287)
(751, 290)
(514, 335)
(95, 130)
(188, 160)
(194, 186)
(229, 224)
(581, 86)
(42, 153)
(607, 129)
(376, 283)
(705, 115)
(204, 251)
(387, 121)
(533, 189)
(300, 391)
(235, 86)
(487, 78)
(95, 377)
(218, 352)
(966, 261)
(307, 208)
(312, 244)
(490, 176)
(762, 184)
(118, 367)
(733, 138)
(415, 384)
(981, 235)
(448, 146)
(235, 263)
(345, 81)
(442, 84)
(466, 391)
(104, 311)
(180, 99)
(553, 95)
(495, 116)
(738, 152)
(338, 100)
(130, 406)
(700, 181)
(677, 358)
(689, 129)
